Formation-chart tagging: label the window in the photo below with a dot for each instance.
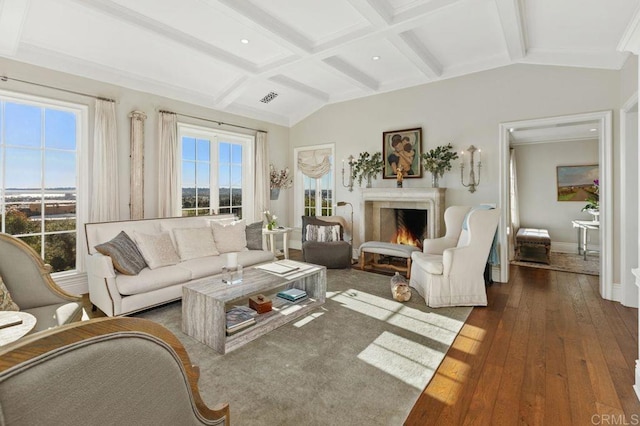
(314, 178)
(216, 172)
(40, 143)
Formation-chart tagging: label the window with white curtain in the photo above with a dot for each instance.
(216, 172)
(41, 201)
(315, 186)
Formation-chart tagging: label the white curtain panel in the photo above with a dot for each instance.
(314, 163)
(514, 211)
(105, 204)
(168, 194)
(262, 181)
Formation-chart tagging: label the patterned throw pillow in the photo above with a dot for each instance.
(254, 236)
(6, 302)
(124, 254)
(231, 237)
(195, 242)
(323, 233)
(157, 249)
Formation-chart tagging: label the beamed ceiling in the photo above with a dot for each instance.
(309, 52)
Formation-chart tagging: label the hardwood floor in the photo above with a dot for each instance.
(546, 350)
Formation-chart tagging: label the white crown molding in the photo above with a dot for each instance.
(551, 140)
(513, 28)
(630, 40)
(257, 114)
(13, 14)
(603, 59)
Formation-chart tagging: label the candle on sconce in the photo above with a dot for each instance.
(461, 158)
(479, 155)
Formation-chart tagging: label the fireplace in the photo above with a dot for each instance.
(381, 206)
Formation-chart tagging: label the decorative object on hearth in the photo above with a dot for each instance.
(437, 161)
(350, 161)
(400, 289)
(367, 166)
(279, 180)
(473, 183)
(402, 149)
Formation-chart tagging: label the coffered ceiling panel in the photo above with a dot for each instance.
(310, 52)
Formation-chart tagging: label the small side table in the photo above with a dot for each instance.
(14, 332)
(271, 243)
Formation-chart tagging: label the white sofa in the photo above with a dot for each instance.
(118, 294)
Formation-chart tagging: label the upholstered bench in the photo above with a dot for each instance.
(533, 238)
(387, 249)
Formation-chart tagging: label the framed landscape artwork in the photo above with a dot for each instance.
(402, 150)
(576, 182)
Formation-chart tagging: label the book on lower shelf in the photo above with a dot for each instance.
(238, 318)
(292, 294)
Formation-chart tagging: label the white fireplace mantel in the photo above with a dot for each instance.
(429, 199)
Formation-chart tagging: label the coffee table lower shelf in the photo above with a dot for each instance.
(204, 304)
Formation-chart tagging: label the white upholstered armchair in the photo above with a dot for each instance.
(449, 270)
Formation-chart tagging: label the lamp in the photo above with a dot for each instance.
(472, 174)
(346, 203)
(350, 184)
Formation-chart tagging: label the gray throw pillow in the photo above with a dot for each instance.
(254, 236)
(124, 254)
(313, 220)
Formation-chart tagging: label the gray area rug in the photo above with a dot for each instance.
(360, 359)
(567, 262)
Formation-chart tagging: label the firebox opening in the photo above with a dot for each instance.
(410, 227)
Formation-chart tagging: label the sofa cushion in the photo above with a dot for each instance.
(254, 257)
(152, 279)
(230, 237)
(124, 254)
(193, 243)
(168, 224)
(157, 249)
(6, 302)
(323, 233)
(254, 236)
(204, 266)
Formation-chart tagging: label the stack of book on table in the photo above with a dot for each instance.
(239, 318)
(293, 295)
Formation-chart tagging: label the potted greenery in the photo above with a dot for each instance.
(437, 161)
(593, 200)
(367, 167)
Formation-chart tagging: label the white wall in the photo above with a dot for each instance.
(537, 191)
(464, 111)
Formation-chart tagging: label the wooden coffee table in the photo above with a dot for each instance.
(205, 302)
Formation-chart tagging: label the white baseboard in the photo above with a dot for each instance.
(564, 247)
(636, 386)
(616, 294)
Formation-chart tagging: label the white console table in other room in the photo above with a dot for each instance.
(270, 244)
(584, 226)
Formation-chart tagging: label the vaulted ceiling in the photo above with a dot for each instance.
(231, 54)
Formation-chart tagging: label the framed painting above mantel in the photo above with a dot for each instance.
(401, 152)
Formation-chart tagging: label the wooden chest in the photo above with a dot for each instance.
(260, 303)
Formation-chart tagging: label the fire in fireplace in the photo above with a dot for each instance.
(410, 227)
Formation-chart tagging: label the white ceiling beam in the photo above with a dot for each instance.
(360, 78)
(233, 92)
(276, 27)
(423, 9)
(410, 46)
(513, 27)
(375, 11)
(300, 87)
(139, 20)
(12, 16)
(630, 40)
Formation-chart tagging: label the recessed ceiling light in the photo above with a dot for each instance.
(511, 130)
(375, 58)
(593, 130)
(244, 41)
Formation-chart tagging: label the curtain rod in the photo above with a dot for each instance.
(5, 78)
(219, 123)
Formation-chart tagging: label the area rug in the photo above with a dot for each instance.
(567, 262)
(360, 359)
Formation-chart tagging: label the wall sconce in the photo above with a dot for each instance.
(350, 184)
(472, 174)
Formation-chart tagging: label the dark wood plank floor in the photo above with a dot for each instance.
(547, 350)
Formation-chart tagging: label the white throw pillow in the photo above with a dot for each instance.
(231, 237)
(157, 249)
(323, 233)
(195, 242)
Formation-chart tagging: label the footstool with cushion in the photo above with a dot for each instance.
(536, 239)
(386, 249)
